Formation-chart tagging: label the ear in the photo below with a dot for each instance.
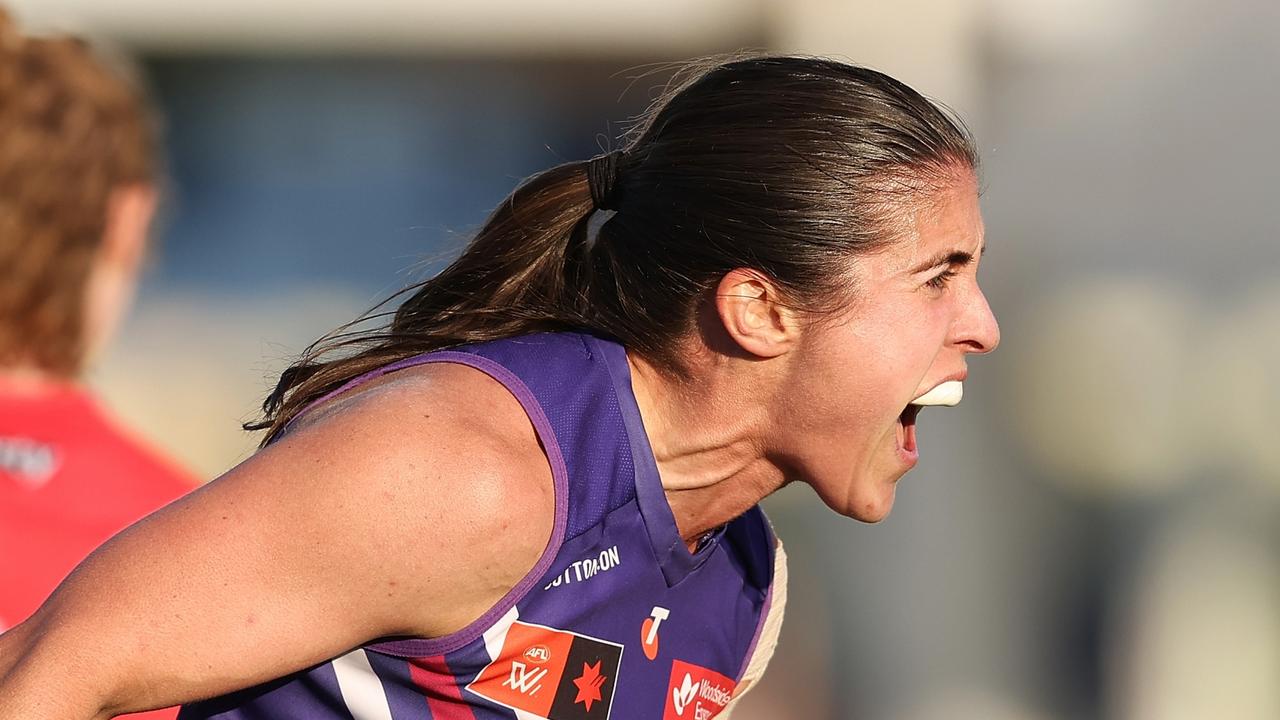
(751, 310)
(129, 213)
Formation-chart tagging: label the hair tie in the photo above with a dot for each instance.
(602, 179)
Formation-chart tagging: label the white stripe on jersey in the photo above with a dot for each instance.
(361, 688)
(768, 639)
(496, 635)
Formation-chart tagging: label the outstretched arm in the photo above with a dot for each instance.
(408, 509)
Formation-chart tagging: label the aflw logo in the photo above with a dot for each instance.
(524, 679)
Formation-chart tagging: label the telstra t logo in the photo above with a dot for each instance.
(649, 631)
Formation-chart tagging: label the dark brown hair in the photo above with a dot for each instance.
(787, 165)
(71, 132)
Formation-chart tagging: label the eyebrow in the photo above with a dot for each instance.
(947, 257)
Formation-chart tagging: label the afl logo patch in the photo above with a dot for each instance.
(551, 673)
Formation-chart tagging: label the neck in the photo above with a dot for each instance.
(30, 380)
(709, 443)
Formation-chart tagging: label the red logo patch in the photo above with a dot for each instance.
(551, 673)
(696, 693)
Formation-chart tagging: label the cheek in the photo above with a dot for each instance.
(897, 355)
(915, 339)
(859, 375)
(853, 381)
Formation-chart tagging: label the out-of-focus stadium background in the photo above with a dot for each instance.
(1093, 533)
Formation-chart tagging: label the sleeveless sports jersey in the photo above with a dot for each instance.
(618, 619)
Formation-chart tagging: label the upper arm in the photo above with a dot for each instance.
(408, 510)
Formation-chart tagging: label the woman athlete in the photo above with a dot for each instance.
(534, 493)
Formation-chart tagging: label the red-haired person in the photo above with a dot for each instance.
(76, 198)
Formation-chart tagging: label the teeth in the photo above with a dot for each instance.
(948, 393)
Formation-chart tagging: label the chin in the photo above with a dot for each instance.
(873, 511)
(868, 506)
(865, 494)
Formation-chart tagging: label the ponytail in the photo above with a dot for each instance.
(526, 271)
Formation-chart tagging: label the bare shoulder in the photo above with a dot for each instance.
(437, 474)
(442, 412)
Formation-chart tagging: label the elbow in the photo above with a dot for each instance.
(37, 682)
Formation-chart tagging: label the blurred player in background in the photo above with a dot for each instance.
(533, 493)
(77, 194)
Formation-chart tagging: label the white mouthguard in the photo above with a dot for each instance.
(947, 393)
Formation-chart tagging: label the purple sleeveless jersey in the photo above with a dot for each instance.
(617, 619)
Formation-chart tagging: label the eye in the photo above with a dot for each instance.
(940, 281)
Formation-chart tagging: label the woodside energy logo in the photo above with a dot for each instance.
(696, 693)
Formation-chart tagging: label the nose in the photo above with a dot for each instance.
(976, 329)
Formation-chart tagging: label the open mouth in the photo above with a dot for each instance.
(947, 394)
(907, 428)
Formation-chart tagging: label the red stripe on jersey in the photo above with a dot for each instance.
(444, 697)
